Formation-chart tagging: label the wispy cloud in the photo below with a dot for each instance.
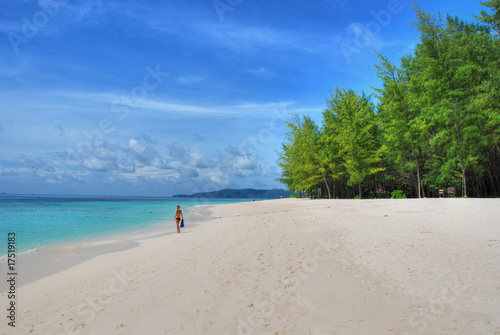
(248, 38)
(244, 37)
(48, 100)
(190, 79)
(261, 72)
(9, 26)
(86, 12)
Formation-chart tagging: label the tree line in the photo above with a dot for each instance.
(436, 124)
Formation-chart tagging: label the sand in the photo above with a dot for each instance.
(290, 266)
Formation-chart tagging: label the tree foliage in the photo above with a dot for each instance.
(437, 123)
(355, 136)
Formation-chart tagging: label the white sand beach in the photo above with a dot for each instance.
(290, 266)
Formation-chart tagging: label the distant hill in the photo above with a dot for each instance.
(240, 194)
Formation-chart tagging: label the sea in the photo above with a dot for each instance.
(39, 221)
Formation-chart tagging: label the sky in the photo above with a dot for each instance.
(157, 98)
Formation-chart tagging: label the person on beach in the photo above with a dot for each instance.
(177, 218)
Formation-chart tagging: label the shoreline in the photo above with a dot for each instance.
(50, 260)
(293, 266)
(139, 221)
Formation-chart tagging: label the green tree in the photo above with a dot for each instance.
(491, 18)
(449, 75)
(402, 123)
(437, 124)
(353, 124)
(298, 158)
(330, 153)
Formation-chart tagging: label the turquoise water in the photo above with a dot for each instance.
(41, 221)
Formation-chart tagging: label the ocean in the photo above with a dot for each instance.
(43, 221)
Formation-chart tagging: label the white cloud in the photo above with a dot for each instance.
(151, 172)
(136, 147)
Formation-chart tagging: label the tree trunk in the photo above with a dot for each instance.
(416, 161)
(495, 193)
(327, 187)
(418, 179)
(464, 183)
(457, 125)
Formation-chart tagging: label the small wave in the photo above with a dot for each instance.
(131, 236)
(100, 242)
(146, 235)
(4, 257)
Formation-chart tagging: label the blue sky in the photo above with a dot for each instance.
(167, 97)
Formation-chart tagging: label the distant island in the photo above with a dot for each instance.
(240, 194)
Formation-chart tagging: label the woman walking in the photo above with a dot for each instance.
(177, 218)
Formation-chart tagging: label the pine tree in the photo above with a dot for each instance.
(448, 78)
(298, 158)
(493, 18)
(352, 121)
(401, 121)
